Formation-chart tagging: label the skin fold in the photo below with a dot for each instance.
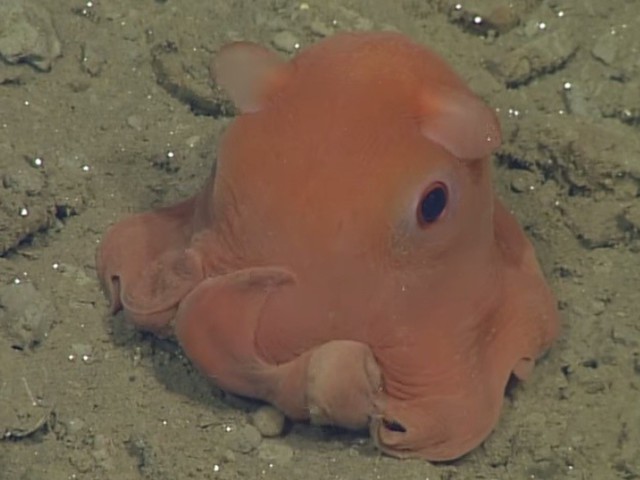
(348, 261)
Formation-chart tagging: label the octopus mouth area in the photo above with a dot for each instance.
(398, 440)
(393, 426)
(389, 436)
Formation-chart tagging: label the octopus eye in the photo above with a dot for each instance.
(432, 204)
(393, 426)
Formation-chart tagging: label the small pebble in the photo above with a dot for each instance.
(503, 18)
(93, 58)
(26, 316)
(243, 439)
(135, 122)
(228, 456)
(606, 48)
(286, 41)
(275, 452)
(75, 425)
(268, 420)
(82, 352)
(320, 29)
(632, 215)
(192, 141)
(523, 181)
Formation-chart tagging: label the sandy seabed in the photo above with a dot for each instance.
(110, 111)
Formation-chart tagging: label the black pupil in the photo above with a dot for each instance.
(433, 204)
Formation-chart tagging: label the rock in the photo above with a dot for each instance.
(632, 217)
(524, 181)
(275, 452)
(83, 352)
(93, 58)
(26, 315)
(545, 54)
(483, 17)
(26, 180)
(596, 222)
(102, 452)
(286, 41)
(320, 29)
(27, 35)
(12, 76)
(606, 48)
(26, 207)
(243, 439)
(185, 77)
(621, 101)
(268, 420)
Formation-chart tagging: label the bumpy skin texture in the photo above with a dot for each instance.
(304, 273)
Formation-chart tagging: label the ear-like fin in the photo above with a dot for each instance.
(460, 122)
(249, 73)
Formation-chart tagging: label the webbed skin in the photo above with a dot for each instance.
(310, 272)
